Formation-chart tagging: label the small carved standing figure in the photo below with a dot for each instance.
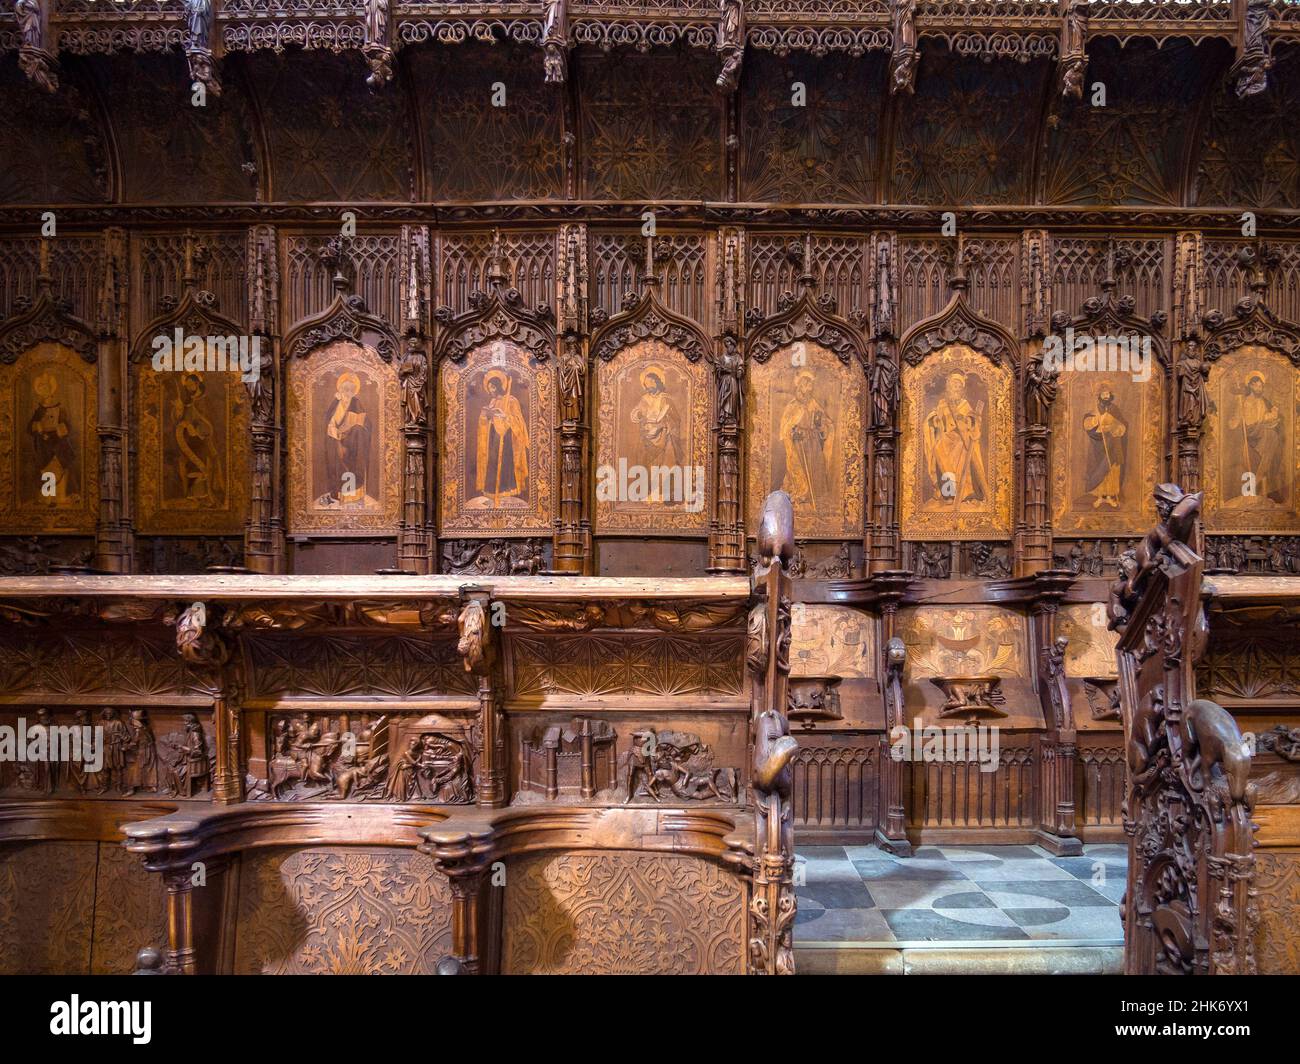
(730, 366)
(884, 391)
(731, 43)
(555, 42)
(902, 63)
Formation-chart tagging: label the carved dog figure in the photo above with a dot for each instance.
(1210, 729)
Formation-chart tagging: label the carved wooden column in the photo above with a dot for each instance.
(883, 547)
(200, 644)
(1033, 534)
(1189, 400)
(264, 546)
(1057, 830)
(727, 529)
(415, 532)
(772, 905)
(1033, 546)
(572, 546)
(179, 957)
(464, 857)
(114, 536)
(891, 819)
(479, 650)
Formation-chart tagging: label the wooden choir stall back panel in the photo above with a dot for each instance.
(642, 482)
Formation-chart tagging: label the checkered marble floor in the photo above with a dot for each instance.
(954, 894)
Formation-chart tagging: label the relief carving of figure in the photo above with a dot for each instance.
(731, 43)
(730, 368)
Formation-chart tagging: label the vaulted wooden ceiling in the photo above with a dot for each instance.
(644, 128)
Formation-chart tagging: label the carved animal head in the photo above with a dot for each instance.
(473, 634)
(776, 529)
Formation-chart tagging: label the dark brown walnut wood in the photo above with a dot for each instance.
(523, 649)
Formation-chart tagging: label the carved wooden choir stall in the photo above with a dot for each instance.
(497, 476)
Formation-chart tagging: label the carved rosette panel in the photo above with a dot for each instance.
(95, 663)
(341, 911)
(804, 429)
(612, 913)
(1252, 443)
(1106, 453)
(625, 664)
(49, 449)
(651, 127)
(1277, 883)
(979, 506)
(316, 503)
(480, 426)
(340, 666)
(47, 896)
(653, 432)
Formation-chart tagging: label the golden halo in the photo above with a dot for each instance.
(1255, 375)
(653, 370)
(496, 375)
(346, 378)
(805, 374)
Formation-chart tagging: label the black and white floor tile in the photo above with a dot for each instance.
(957, 894)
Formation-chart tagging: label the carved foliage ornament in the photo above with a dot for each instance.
(959, 324)
(499, 315)
(806, 320)
(650, 320)
(48, 321)
(346, 319)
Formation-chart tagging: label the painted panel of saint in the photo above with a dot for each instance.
(1107, 432)
(193, 462)
(498, 416)
(52, 433)
(957, 465)
(344, 448)
(652, 442)
(804, 430)
(50, 466)
(347, 462)
(954, 438)
(1250, 443)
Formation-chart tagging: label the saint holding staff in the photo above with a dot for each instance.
(808, 437)
(502, 445)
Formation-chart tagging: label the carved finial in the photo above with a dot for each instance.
(336, 255)
(807, 278)
(497, 272)
(1108, 281)
(195, 256)
(1257, 261)
(649, 275)
(44, 278)
(957, 280)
